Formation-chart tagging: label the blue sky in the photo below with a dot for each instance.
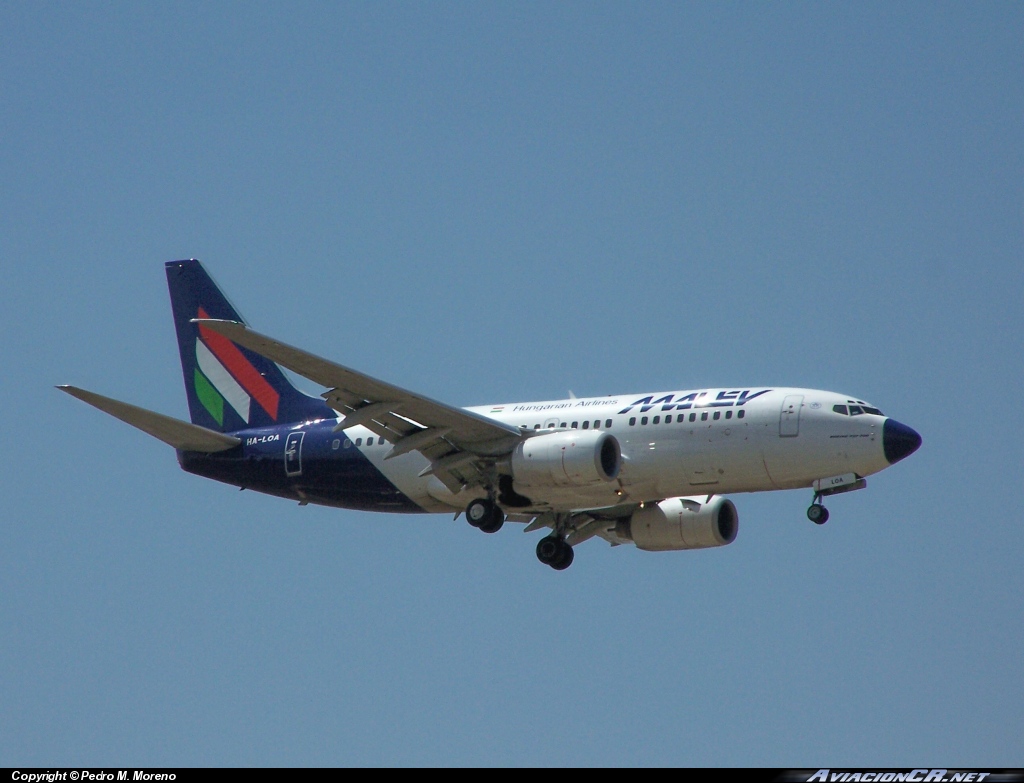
(500, 202)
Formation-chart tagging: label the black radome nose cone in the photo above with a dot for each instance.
(898, 440)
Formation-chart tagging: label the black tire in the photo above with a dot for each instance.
(565, 560)
(817, 514)
(494, 522)
(549, 549)
(479, 512)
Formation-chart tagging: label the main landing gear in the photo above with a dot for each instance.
(555, 552)
(817, 513)
(552, 550)
(485, 514)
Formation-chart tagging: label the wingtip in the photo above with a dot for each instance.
(212, 321)
(73, 391)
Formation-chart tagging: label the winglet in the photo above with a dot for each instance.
(174, 432)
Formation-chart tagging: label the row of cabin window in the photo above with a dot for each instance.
(359, 442)
(576, 425)
(680, 418)
(586, 425)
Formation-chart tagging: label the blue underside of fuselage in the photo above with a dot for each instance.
(307, 462)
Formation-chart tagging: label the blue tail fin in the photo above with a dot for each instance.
(229, 387)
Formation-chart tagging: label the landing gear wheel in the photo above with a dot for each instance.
(479, 512)
(565, 560)
(818, 514)
(494, 523)
(485, 514)
(553, 551)
(548, 549)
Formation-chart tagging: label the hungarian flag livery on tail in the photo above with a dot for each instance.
(228, 388)
(647, 468)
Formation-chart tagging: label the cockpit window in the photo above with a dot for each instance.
(856, 410)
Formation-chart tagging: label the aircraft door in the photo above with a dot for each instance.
(789, 418)
(293, 454)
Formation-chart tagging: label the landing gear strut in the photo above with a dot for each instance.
(817, 513)
(555, 552)
(485, 514)
(826, 487)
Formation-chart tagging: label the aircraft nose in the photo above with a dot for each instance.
(898, 441)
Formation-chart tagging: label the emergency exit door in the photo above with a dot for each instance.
(293, 454)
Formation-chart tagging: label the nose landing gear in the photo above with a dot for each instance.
(835, 485)
(817, 513)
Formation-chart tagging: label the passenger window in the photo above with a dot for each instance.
(536, 426)
(717, 416)
(335, 444)
(632, 421)
(359, 441)
(693, 417)
(643, 419)
(657, 420)
(704, 416)
(741, 414)
(586, 425)
(562, 425)
(840, 409)
(608, 423)
(348, 443)
(597, 424)
(728, 414)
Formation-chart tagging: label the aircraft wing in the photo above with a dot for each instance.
(453, 439)
(174, 432)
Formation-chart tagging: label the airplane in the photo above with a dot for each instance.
(650, 468)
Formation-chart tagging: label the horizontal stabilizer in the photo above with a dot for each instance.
(177, 433)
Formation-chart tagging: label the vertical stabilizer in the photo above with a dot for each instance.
(229, 388)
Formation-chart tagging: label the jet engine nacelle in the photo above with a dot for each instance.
(571, 458)
(681, 523)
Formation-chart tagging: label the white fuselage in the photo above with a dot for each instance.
(681, 443)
